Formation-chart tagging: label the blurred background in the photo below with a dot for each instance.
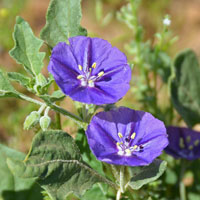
(100, 19)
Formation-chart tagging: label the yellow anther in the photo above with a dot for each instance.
(135, 147)
(128, 152)
(118, 144)
(188, 138)
(120, 135)
(133, 136)
(100, 74)
(90, 81)
(190, 147)
(181, 143)
(80, 67)
(94, 65)
(196, 142)
(79, 77)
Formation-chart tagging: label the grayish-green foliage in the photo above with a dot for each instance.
(11, 186)
(6, 89)
(26, 50)
(62, 21)
(143, 175)
(185, 87)
(20, 78)
(56, 96)
(56, 161)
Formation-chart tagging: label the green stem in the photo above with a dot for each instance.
(58, 109)
(118, 196)
(57, 117)
(182, 189)
(115, 172)
(121, 178)
(66, 113)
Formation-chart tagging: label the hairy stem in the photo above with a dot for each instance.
(182, 190)
(55, 107)
(121, 178)
(57, 117)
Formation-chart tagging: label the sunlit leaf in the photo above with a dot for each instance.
(26, 50)
(62, 21)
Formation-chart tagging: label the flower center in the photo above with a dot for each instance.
(86, 79)
(124, 145)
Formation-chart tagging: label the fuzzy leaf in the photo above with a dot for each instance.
(62, 21)
(144, 175)
(6, 89)
(20, 78)
(56, 96)
(185, 87)
(12, 187)
(56, 161)
(26, 50)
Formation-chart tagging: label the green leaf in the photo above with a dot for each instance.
(12, 187)
(6, 89)
(144, 175)
(185, 87)
(56, 161)
(56, 96)
(94, 193)
(62, 21)
(20, 78)
(26, 50)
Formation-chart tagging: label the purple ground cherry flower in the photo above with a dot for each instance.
(126, 137)
(90, 70)
(183, 143)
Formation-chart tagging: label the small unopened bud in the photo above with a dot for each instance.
(166, 21)
(45, 122)
(40, 80)
(31, 120)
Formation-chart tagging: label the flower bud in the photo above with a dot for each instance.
(45, 122)
(31, 120)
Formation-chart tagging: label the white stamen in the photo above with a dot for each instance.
(90, 83)
(128, 152)
(121, 153)
(83, 83)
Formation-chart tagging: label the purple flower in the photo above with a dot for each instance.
(126, 137)
(183, 143)
(90, 70)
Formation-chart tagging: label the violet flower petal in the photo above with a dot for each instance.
(183, 143)
(90, 70)
(126, 137)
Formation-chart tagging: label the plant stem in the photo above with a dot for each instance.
(57, 117)
(118, 196)
(55, 107)
(115, 172)
(182, 190)
(121, 178)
